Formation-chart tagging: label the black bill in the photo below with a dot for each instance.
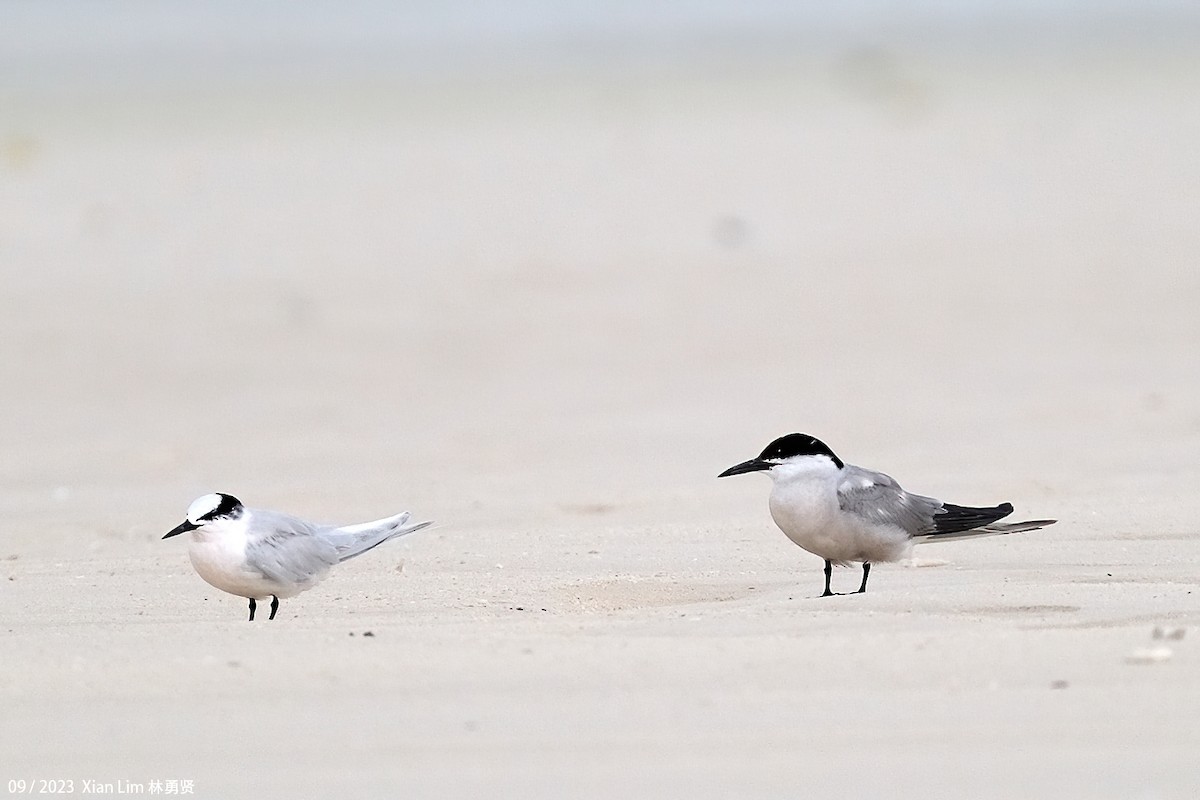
(753, 465)
(183, 527)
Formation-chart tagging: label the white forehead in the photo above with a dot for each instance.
(203, 505)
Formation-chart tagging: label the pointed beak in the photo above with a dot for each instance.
(182, 527)
(753, 465)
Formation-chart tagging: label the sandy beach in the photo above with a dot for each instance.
(545, 310)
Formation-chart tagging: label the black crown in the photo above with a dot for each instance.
(798, 444)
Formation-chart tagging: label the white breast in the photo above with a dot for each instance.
(804, 504)
(219, 557)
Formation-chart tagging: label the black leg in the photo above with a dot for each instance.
(253, 606)
(275, 606)
(866, 571)
(828, 577)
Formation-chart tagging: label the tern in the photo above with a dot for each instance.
(258, 554)
(846, 514)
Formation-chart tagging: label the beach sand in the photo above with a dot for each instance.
(546, 311)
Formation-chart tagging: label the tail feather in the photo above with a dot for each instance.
(958, 519)
(964, 522)
(1019, 527)
(354, 540)
(379, 524)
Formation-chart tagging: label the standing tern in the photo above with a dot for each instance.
(845, 513)
(258, 554)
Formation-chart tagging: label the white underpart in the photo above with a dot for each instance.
(804, 504)
(218, 554)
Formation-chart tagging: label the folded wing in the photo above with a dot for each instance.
(877, 498)
(287, 549)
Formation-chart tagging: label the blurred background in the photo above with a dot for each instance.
(498, 261)
(539, 271)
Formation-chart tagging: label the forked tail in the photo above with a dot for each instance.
(964, 522)
(354, 540)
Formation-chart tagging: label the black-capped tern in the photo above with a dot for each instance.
(846, 514)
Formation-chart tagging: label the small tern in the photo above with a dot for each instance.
(258, 554)
(845, 513)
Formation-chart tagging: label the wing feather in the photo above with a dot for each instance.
(877, 498)
(287, 549)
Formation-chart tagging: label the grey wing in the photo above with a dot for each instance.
(287, 549)
(876, 497)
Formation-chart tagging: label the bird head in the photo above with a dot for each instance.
(206, 509)
(787, 455)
